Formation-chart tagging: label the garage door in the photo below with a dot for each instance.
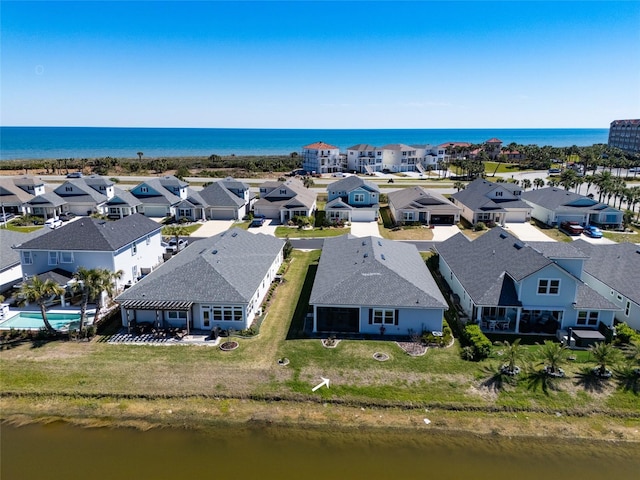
(516, 217)
(223, 214)
(363, 216)
(442, 219)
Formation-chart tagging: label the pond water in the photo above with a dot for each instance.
(60, 451)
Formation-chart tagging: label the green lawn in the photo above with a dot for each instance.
(283, 232)
(190, 229)
(15, 228)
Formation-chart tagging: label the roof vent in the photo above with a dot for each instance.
(366, 255)
(518, 245)
(379, 243)
(503, 235)
(234, 234)
(215, 252)
(364, 243)
(382, 256)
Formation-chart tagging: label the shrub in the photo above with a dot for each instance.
(479, 344)
(480, 226)
(625, 334)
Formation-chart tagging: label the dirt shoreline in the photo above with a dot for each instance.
(205, 413)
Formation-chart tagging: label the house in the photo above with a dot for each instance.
(614, 272)
(226, 199)
(16, 191)
(47, 205)
(418, 204)
(372, 286)
(552, 205)
(362, 158)
(352, 199)
(86, 195)
(220, 281)
(285, 200)
(505, 284)
(625, 135)
(484, 201)
(10, 268)
(493, 147)
(131, 244)
(320, 157)
(160, 197)
(399, 157)
(122, 204)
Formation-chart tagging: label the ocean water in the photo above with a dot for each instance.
(96, 142)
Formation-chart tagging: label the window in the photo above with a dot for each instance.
(53, 258)
(227, 314)
(134, 272)
(148, 240)
(134, 248)
(407, 216)
(588, 318)
(176, 315)
(206, 321)
(358, 197)
(68, 189)
(283, 191)
(66, 257)
(548, 287)
(498, 194)
(627, 308)
(27, 259)
(144, 190)
(383, 317)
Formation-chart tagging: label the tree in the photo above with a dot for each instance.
(176, 231)
(538, 182)
(605, 355)
(93, 283)
(458, 185)
(553, 355)
(35, 290)
(512, 354)
(140, 154)
(526, 183)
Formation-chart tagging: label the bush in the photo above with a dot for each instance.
(480, 226)
(625, 334)
(477, 342)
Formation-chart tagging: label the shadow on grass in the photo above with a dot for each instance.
(540, 380)
(590, 380)
(628, 379)
(296, 329)
(497, 379)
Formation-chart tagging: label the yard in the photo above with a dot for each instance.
(389, 230)
(134, 383)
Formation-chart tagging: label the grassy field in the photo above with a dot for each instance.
(137, 385)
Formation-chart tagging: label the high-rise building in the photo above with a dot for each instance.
(625, 135)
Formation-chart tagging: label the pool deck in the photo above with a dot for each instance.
(13, 312)
(156, 339)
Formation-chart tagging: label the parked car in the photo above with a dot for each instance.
(5, 217)
(53, 223)
(257, 222)
(554, 170)
(175, 247)
(74, 175)
(593, 231)
(572, 228)
(66, 216)
(634, 170)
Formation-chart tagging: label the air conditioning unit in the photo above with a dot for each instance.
(258, 312)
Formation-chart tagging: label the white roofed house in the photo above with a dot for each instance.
(220, 281)
(320, 157)
(374, 286)
(160, 197)
(285, 200)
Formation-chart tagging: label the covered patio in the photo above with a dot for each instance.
(166, 315)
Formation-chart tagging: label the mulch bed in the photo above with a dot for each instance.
(412, 348)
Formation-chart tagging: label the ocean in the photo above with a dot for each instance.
(96, 142)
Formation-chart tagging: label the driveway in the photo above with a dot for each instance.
(268, 227)
(443, 232)
(595, 241)
(527, 232)
(213, 227)
(365, 229)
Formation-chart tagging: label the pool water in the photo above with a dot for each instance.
(33, 321)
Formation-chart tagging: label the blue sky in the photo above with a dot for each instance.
(267, 64)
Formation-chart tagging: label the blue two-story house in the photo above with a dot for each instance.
(504, 284)
(352, 199)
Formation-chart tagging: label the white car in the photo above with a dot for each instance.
(634, 170)
(53, 223)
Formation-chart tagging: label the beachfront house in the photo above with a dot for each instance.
(352, 199)
(553, 205)
(220, 281)
(284, 201)
(488, 202)
(131, 245)
(418, 204)
(374, 286)
(504, 284)
(320, 157)
(160, 197)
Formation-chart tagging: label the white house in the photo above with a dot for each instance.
(219, 281)
(320, 157)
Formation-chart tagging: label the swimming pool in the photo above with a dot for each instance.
(33, 321)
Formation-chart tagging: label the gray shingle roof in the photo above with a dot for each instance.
(226, 268)
(160, 185)
(49, 198)
(94, 235)
(218, 195)
(123, 197)
(11, 193)
(8, 238)
(420, 198)
(373, 271)
(557, 249)
(362, 147)
(615, 265)
(554, 198)
(482, 266)
(474, 196)
(302, 196)
(347, 184)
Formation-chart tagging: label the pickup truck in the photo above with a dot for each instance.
(175, 247)
(572, 228)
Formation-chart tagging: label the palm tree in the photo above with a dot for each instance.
(107, 282)
(604, 354)
(512, 353)
(177, 231)
(93, 283)
(526, 183)
(538, 182)
(140, 154)
(39, 292)
(552, 356)
(458, 185)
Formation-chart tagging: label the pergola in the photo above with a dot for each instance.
(158, 306)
